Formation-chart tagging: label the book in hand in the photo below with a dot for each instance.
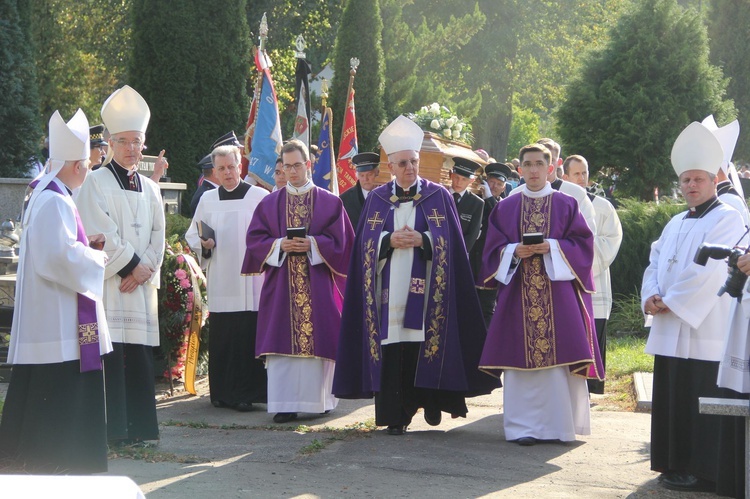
(291, 233)
(533, 238)
(205, 231)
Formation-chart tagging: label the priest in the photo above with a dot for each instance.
(300, 236)
(53, 419)
(412, 328)
(236, 378)
(539, 251)
(126, 207)
(689, 319)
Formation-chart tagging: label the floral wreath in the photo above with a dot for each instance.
(439, 120)
(181, 277)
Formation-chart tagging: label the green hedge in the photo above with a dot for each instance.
(642, 223)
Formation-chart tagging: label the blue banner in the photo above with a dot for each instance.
(267, 142)
(324, 170)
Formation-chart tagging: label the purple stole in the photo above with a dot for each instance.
(88, 328)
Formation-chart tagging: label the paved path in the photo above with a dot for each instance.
(460, 458)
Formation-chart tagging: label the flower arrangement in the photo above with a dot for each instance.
(439, 120)
(177, 296)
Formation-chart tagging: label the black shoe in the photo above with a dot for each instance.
(433, 416)
(526, 441)
(396, 430)
(284, 417)
(685, 482)
(243, 407)
(218, 403)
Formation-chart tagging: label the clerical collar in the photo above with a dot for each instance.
(233, 188)
(544, 191)
(703, 208)
(236, 193)
(300, 190)
(556, 184)
(406, 195)
(127, 179)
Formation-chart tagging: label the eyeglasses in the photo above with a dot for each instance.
(295, 166)
(137, 143)
(414, 162)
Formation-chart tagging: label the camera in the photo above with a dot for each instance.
(735, 283)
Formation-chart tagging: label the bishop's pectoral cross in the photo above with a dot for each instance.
(136, 226)
(672, 261)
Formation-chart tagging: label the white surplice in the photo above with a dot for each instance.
(606, 245)
(695, 326)
(228, 289)
(53, 268)
(133, 224)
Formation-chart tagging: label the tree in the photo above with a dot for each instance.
(359, 35)
(19, 122)
(190, 62)
(81, 51)
(631, 99)
(728, 30)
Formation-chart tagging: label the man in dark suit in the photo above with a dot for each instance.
(497, 176)
(368, 169)
(209, 181)
(469, 205)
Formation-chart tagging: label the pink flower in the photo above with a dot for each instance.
(190, 296)
(184, 282)
(180, 259)
(180, 274)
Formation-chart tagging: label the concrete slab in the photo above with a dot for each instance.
(644, 384)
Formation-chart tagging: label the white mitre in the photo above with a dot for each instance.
(697, 148)
(727, 135)
(125, 111)
(69, 141)
(401, 135)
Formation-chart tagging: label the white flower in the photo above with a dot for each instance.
(435, 108)
(435, 124)
(447, 132)
(459, 126)
(450, 122)
(424, 109)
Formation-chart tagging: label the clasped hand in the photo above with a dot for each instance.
(406, 237)
(654, 305)
(527, 250)
(295, 245)
(140, 275)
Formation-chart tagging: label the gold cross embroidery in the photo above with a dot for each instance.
(375, 220)
(88, 333)
(436, 217)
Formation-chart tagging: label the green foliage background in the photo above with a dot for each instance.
(633, 98)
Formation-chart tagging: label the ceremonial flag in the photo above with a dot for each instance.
(302, 96)
(324, 171)
(266, 141)
(250, 128)
(347, 146)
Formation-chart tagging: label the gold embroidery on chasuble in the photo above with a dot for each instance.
(436, 316)
(536, 290)
(370, 305)
(88, 333)
(298, 214)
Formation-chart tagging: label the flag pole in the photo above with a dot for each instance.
(353, 64)
(327, 111)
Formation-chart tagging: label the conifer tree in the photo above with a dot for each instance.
(191, 62)
(631, 99)
(359, 35)
(19, 121)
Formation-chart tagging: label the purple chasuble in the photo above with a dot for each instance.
(88, 327)
(540, 323)
(300, 308)
(453, 324)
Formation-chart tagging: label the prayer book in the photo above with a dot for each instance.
(205, 231)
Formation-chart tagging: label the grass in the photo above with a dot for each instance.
(625, 356)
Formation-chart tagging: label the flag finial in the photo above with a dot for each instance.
(300, 45)
(263, 32)
(354, 63)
